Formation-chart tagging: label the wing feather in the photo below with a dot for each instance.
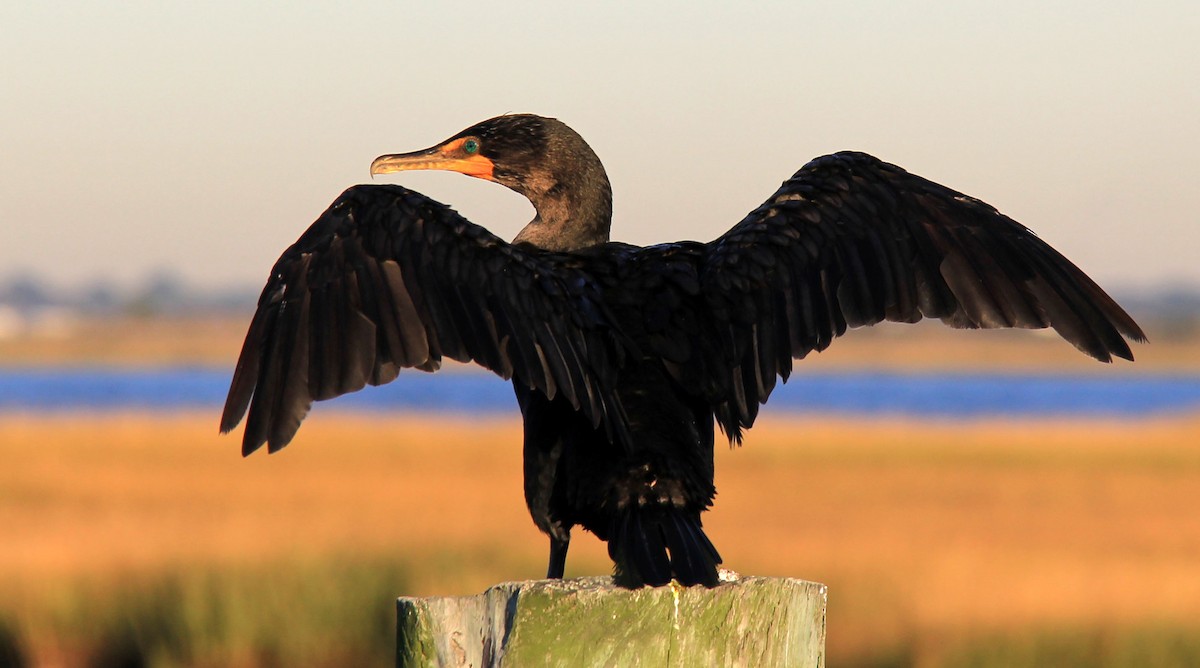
(388, 279)
(851, 241)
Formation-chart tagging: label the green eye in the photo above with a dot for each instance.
(471, 146)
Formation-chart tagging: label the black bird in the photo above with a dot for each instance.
(623, 357)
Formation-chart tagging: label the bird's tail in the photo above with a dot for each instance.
(652, 545)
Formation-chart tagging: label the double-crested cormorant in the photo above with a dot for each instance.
(623, 357)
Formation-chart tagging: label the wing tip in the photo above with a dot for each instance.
(230, 420)
(250, 445)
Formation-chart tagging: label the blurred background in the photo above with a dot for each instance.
(971, 498)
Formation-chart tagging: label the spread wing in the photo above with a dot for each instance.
(849, 241)
(387, 279)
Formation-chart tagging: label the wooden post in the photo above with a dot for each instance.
(750, 621)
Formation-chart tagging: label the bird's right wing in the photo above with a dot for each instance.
(849, 241)
(387, 279)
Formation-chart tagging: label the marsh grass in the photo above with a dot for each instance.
(340, 612)
(12, 644)
(1155, 646)
(327, 612)
(147, 540)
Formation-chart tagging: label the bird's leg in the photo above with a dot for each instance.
(558, 557)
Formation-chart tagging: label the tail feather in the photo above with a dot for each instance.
(650, 546)
(699, 558)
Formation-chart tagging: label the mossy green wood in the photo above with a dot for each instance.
(588, 622)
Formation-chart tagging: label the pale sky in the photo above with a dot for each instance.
(204, 137)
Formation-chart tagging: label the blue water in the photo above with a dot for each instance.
(932, 395)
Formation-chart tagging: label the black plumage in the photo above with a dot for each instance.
(623, 357)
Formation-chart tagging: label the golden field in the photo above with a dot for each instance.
(943, 543)
(925, 533)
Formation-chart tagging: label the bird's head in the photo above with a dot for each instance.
(540, 158)
(520, 151)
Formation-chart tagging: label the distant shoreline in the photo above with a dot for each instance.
(213, 341)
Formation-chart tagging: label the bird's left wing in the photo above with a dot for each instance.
(849, 241)
(386, 279)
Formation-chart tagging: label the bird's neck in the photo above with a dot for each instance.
(570, 218)
(569, 189)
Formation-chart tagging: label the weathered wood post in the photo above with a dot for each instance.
(750, 621)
